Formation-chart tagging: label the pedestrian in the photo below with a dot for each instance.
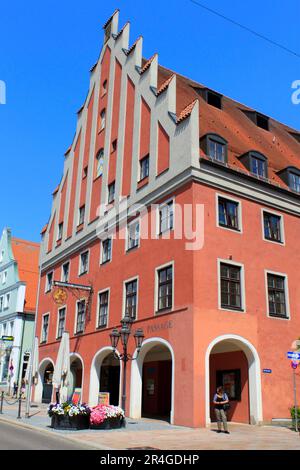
(15, 394)
(221, 402)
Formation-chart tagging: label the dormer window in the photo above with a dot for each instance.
(259, 119)
(211, 97)
(291, 177)
(256, 163)
(215, 147)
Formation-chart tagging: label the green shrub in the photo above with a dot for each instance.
(293, 415)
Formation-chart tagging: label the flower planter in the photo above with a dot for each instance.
(110, 423)
(70, 423)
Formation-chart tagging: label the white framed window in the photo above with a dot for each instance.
(81, 215)
(99, 163)
(84, 263)
(65, 272)
(229, 213)
(144, 167)
(130, 298)
(102, 119)
(133, 235)
(80, 316)
(6, 301)
(1, 256)
(231, 286)
(272, 227)
(45, 327)
(164, 288)
(106, 250)
(103, 308)
(60, 231)
(1, 303)
(277, 295)
(61, 322)
(49, 281)
(111, 192)
(166, 216)
(4, 277)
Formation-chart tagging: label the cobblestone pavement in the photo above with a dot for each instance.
(161, 435)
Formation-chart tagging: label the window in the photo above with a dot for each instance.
(100, 162)
(231, 287)
(165, 288)
(259, 119)
(45, 327)
(111, 193)
(106, 250)
(277, 296)
(6, 301)
(102, 119)
(1, 304)
(104, 87)
(214, 99)
(65, 272)
(272, 227)
(1, 256)
(61, 322)
(103, 309)
(216, 150)
(258, 167)
(4, 277)
(230, 380)
(131, 299)
(85, 172)
(133, 234)
(81, 215)
(166, 217)
(114, 145)
(80, 316)
(84, 263)
(228, 213)
(49, 281)
(60, 231)
(144, 167)
(295, 182)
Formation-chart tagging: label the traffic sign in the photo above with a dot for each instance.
(7, 338)
(293, 355)
(294, 364)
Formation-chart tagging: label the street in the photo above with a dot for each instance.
(16, 438)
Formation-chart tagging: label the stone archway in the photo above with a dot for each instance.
(161, 351)
(102, 364)
(76, 374)
(43, 389)
(227, 344)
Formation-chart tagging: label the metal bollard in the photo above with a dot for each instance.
(20, 404)
(1, 403)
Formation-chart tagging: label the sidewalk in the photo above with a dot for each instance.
(159, 435)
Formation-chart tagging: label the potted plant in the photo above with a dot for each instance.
(67, 416)
(107, 417)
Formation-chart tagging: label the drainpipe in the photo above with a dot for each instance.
(20, 354)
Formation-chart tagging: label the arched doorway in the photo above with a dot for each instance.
(152, 381)
(233, 362)
(47, 383)
(76, 374)
(105, 377)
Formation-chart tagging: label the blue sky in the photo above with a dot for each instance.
(47, 49)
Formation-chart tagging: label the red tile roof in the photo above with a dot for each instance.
(27, 256)
(231, 123)
(147, 64)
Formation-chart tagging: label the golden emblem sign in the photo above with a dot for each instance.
(60, 296)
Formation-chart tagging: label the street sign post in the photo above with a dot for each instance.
(295, 358)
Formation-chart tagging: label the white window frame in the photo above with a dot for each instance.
(57, 324)
(62, 232)
(62, 270)
(137, 220)
(7, 301)
(102, 291)
(156, 280)
(270, 211)
(46, 283)
(240, 220)
(41, 337)
(134, 278)
(286, 293)
(4, 277)
(242, 284)
(102, 119)
(165, 203)
(101, 251)
(76, 317)
(79, 214)
(1, 303)
(80, 263)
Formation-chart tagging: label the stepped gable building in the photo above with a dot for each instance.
(219, 308)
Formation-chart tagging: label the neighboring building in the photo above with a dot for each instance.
(224, 313)
(18, 291)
